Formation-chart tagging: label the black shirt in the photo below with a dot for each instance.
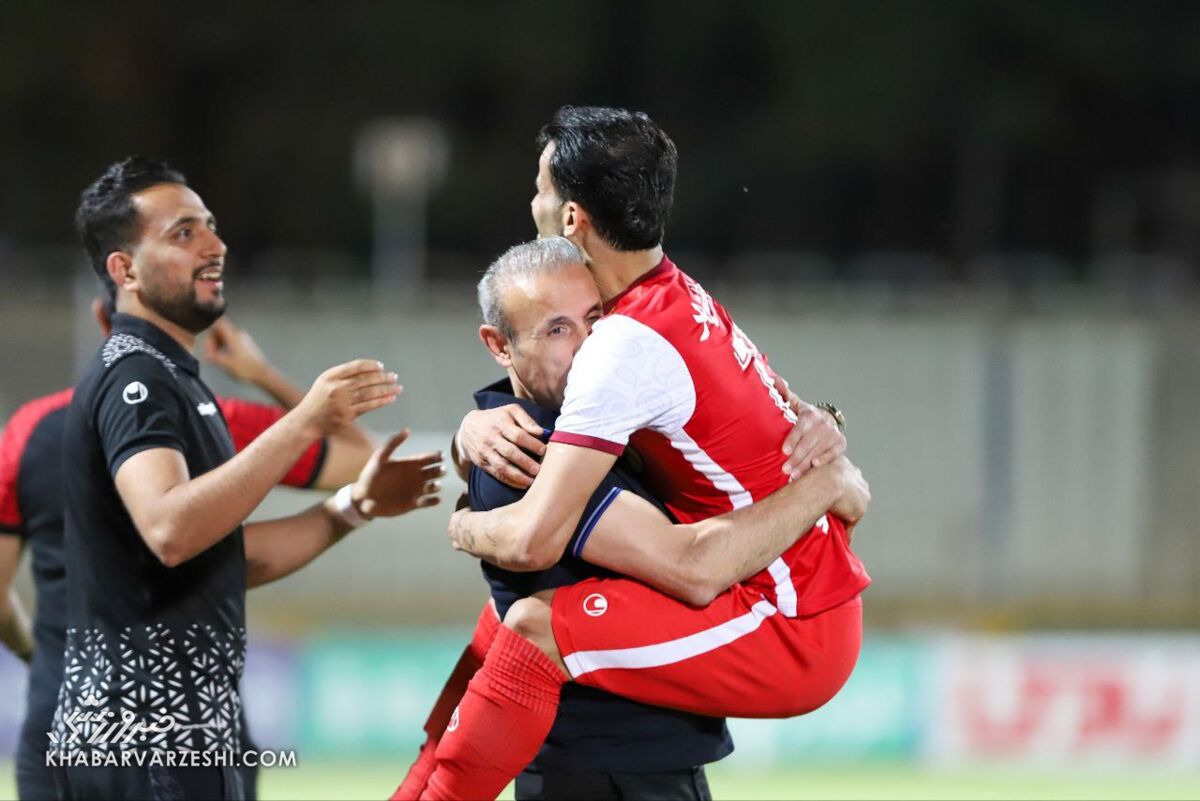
(595, 731)
(161, 642)
(33, 442)
(31, 507)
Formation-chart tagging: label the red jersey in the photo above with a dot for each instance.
(668, 372)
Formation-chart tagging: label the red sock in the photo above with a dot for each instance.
(470, 661)
(502, 721)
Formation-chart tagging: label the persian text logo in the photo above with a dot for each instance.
(706, 310)
(97, 725)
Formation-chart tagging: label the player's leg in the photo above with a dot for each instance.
(737, 657)
(507, 711)
(451, 695)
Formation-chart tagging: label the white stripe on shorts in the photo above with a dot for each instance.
(785, 591)
(668, 653)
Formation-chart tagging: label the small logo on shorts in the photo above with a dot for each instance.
(453, 721)
(595, 605)
(135, 393)
(206, 409)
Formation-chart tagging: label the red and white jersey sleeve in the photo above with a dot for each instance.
(626, 377)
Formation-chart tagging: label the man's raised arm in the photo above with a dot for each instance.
(233, 350)
(385, 487)
(179, 516)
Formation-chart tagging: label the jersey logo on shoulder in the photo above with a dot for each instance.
(206, 409)
(134, 393)
(702, 304)
(595, 605)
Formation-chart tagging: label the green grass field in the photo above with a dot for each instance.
(376, 781)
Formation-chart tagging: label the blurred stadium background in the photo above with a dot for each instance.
(975, 227)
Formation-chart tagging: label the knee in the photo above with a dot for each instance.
(529, 617)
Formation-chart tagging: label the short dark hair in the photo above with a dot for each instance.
(619, 166)
(106, 218)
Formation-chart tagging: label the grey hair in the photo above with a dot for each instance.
(522, 261)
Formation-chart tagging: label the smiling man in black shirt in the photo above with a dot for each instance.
(157, 558)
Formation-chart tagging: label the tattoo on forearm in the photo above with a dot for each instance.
(462, 536)
(492, 521)
(469, 528)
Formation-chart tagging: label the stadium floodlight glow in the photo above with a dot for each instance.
(399, 161)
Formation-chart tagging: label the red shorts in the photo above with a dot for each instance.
(737, 657)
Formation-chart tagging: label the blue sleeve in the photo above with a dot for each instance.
(618, 479)
(597, 505)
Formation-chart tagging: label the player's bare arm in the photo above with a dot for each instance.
(504, 442)
(532, 533)
(698, 561)
(15, 631)
(385, 487)
(180, 517)
(234, 351)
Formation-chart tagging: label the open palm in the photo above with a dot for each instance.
(388, 486)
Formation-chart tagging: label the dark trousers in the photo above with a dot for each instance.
(151, 783)
(679, 785)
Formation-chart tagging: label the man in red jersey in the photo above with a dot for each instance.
(668, 372)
